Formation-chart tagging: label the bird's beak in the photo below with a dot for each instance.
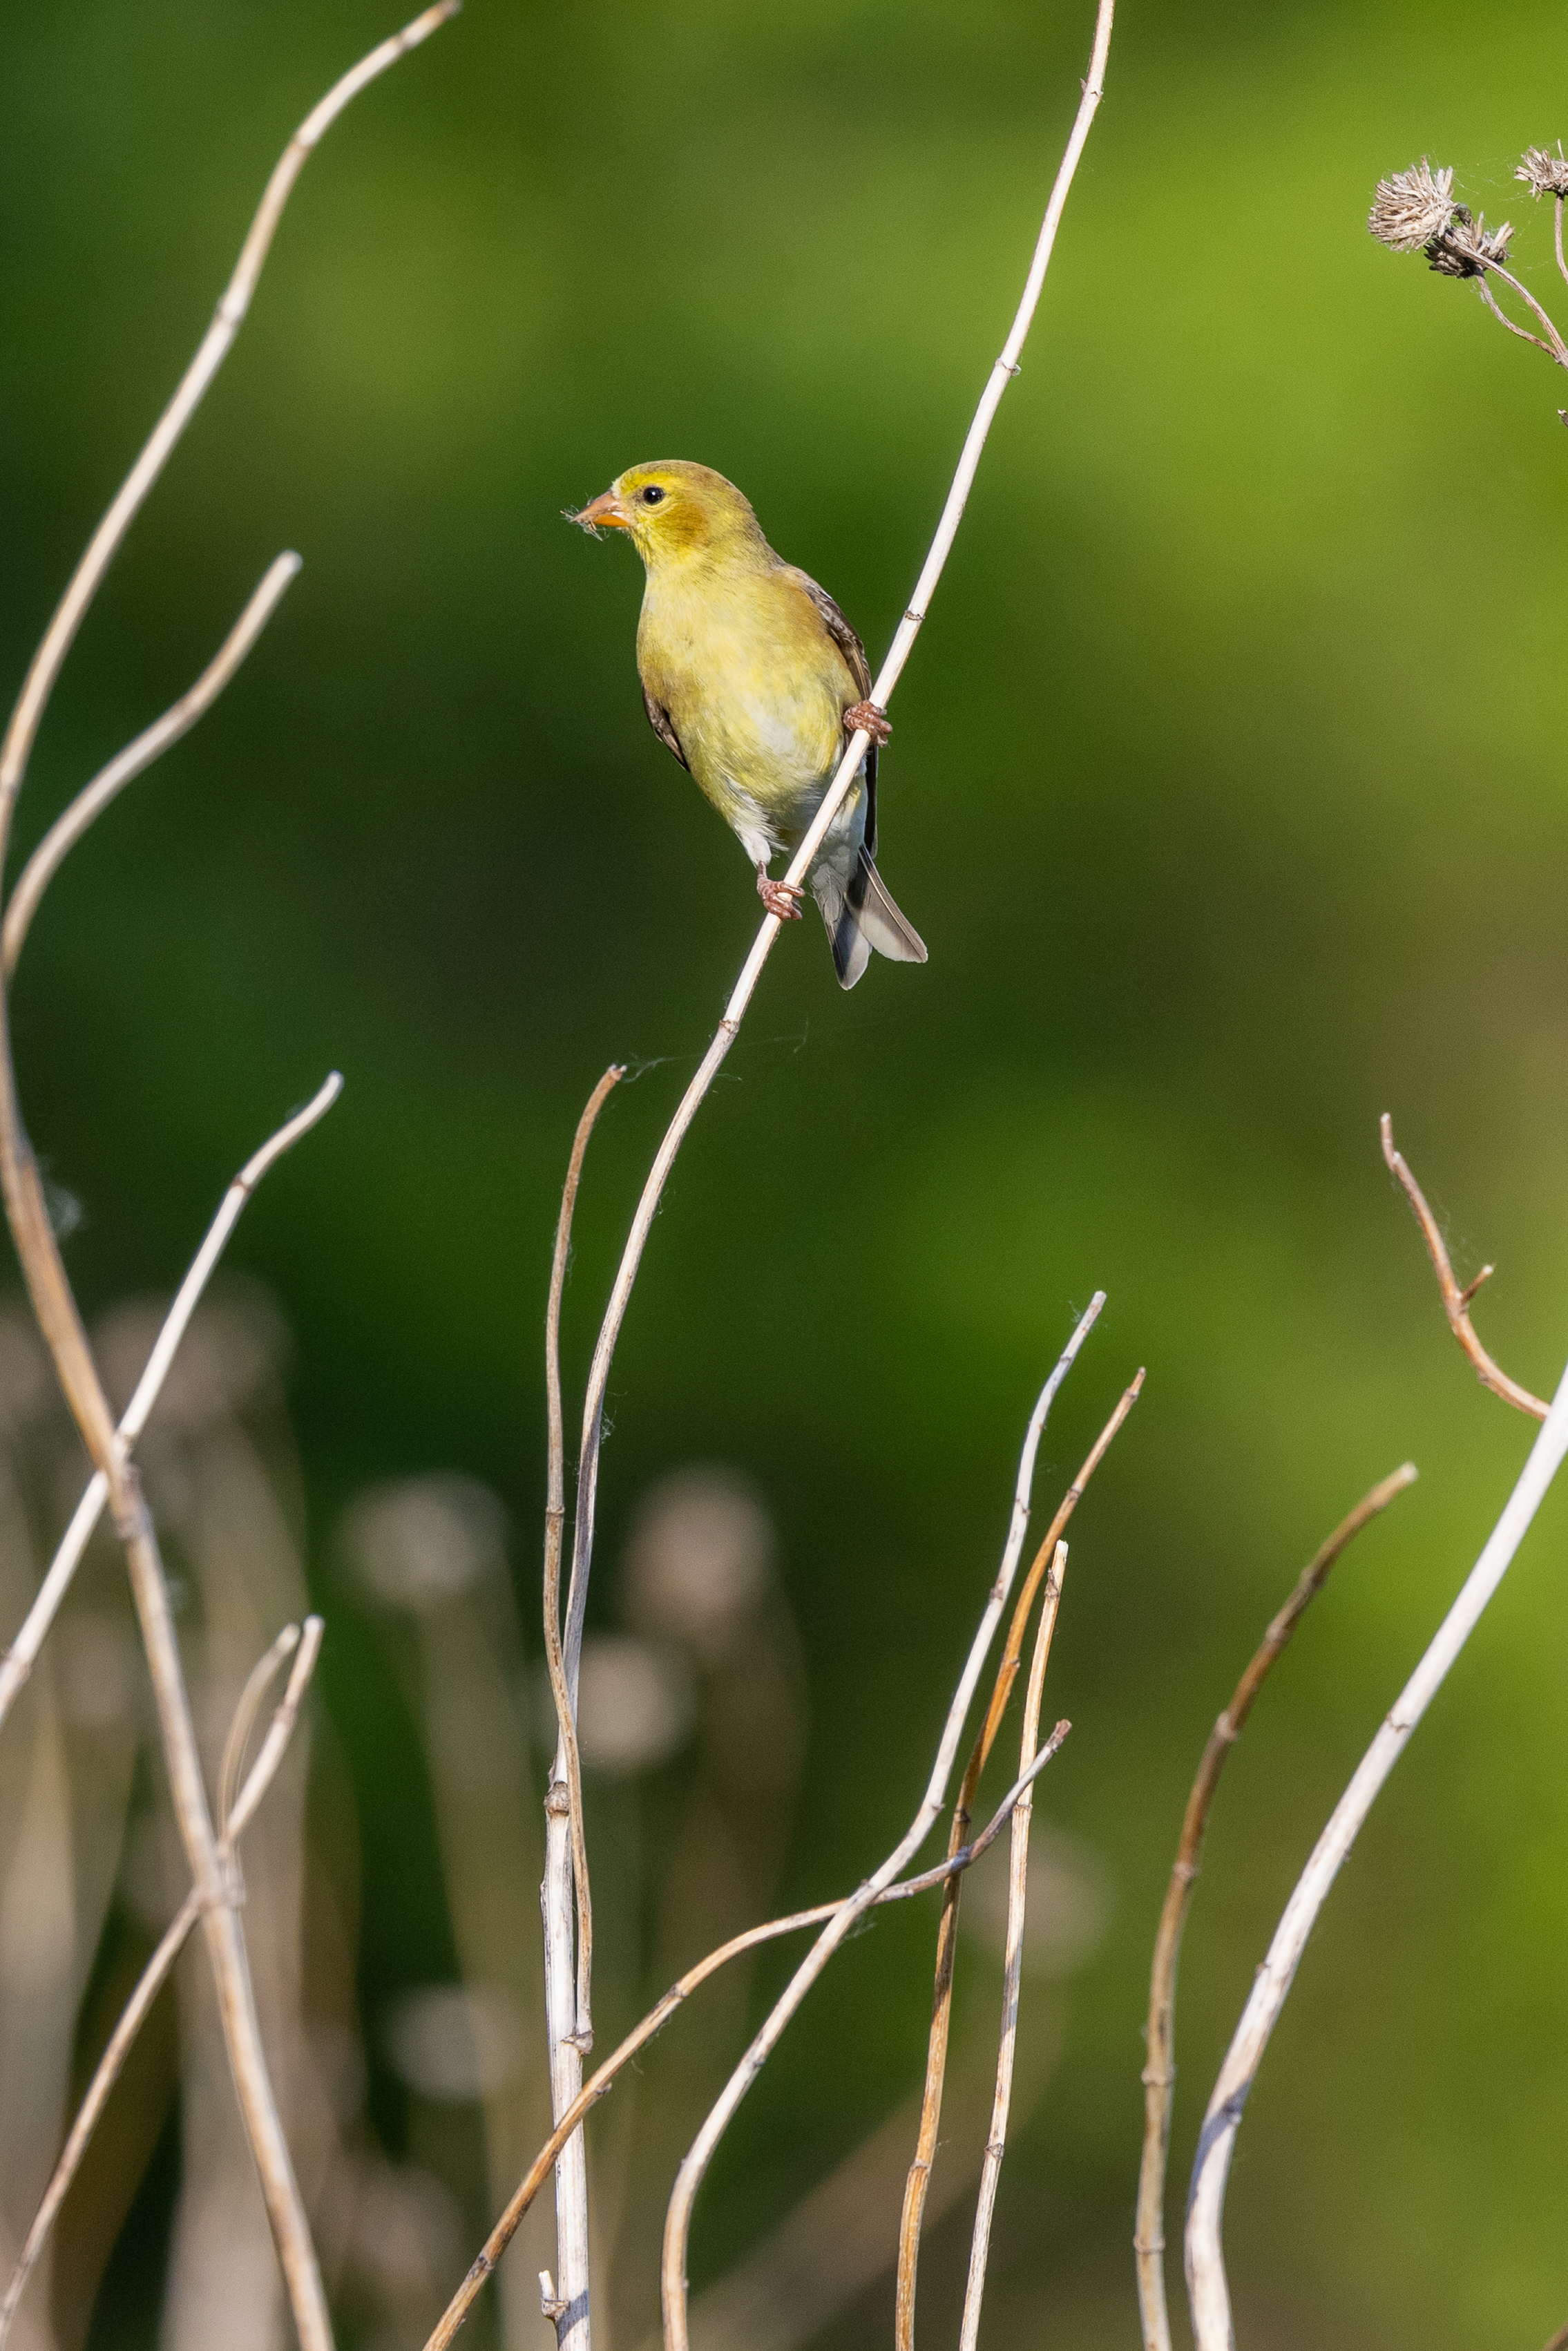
(606, 509)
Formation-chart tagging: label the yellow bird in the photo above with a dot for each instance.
(752, 676)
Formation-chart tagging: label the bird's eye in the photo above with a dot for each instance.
(651, 495)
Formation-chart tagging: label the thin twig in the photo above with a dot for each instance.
(912, 2217)
(694, 2168)
(1207, 2290)
(569, 2028)
(214, 349)
(1500, 315)
(55, 1305)
(262, 1676)
(1555, 347)
(568, 1764)
(603, 2080)
(154, 1975)
(1012, 1965)
(1562, 266)
(17, 1662)
(110, 781)
(1002, 373)
(1560, 2340)
(1456, 1301)
(1159, 2073)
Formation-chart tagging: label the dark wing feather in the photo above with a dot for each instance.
(659, 720)
(858, 668)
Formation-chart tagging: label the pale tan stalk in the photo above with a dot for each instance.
(51, 1291)
(603, 2080)
(568, 1764)
(1012, 1965)
(1207, 2292)
(1456, 1301)
(214, 349)
(568, 2025)
(18, 1660)
(1556, 347)
(692, 2170)
(154, 1975)
(123, 768)
(1159, 2073)
(916, 2186)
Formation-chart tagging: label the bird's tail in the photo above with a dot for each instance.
(861, 918)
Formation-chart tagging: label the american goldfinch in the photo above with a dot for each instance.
(752, 676)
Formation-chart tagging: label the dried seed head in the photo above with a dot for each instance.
(1411, 209)
(1466, 247)
(1543, 173)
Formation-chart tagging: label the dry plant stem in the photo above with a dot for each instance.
(689, 2178)
(1562, 266)
(1013, 1965)
(214, 349)
(1560, 2340)
(177, 720)
(55, 1308)
(603, 2080)
(1500, 315)
(1456, 1301)
(1554, 345)
(155, 1974)
(568, 1764)
(912, 2216)
(1207, 2290)
(1159, 2073)
(569, 2028)
(18, 1659)
(1001, 375)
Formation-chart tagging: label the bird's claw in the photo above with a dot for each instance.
(869, 719)
(781, 898)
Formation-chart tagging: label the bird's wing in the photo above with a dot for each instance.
(659, 720)
(858, 668)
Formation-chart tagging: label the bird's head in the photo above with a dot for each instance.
(674, 511)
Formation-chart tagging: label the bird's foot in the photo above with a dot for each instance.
(781, 898)
(868, 716)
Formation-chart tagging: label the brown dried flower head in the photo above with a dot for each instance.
(1543, 173)
(1411, 209)
(1466, 247)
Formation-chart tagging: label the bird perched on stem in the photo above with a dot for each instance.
(752, 676)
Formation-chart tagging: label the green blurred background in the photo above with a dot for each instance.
(1226, 789)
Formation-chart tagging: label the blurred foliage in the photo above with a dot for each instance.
(1225, 789)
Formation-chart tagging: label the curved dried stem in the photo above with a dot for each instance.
(18, 1660)
(568, 1764)
(55, 1305)
(262, 1676)
(1002, 373)
(1500, 315)
(1013, 1965)
(1562, 266)
(604, 2079)
(1554, 345)
(1207, 2292)
(178, 719)
(694, 2168)
(569, 2024)
(155, 1973)
(214, 348)
(912, 2216)
(1457, 1301)
(1159, 2073)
